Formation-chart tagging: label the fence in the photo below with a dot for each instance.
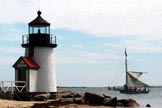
(11, 86)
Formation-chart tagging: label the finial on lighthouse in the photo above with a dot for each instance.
(39, 13)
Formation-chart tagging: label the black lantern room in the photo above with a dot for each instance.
(39, 34)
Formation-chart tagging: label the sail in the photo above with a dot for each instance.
(133, 79)
(135, 74)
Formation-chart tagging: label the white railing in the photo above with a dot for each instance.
(53, 39)
(25, 39)
(11, 86)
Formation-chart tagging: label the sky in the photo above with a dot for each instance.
(91, 37)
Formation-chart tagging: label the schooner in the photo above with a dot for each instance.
(133, 85)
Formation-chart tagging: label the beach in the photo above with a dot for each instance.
(30, 104)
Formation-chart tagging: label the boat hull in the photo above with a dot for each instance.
(133, 92)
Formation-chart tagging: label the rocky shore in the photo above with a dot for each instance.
(66, 99)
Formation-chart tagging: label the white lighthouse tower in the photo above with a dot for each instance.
(39, 45)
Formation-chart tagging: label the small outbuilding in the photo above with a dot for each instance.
(26, 69)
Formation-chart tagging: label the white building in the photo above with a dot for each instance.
(39, 53)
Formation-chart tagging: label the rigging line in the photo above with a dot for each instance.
(113, 81)
(119, 76)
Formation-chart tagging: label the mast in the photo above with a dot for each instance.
(126, 67)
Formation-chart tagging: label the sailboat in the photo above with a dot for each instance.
(133, 84)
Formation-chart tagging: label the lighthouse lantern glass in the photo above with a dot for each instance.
(37, 30)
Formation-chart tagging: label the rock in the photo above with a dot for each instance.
(68, 95)
(42, 97)
(110, 101)
(127, 103)
(64, 91)
(133, 103)
(122, 102)
(78, 95)
(55, 102)
(79, 100)
(55, 96)
(93, 98)
(67, 100)
(72, 106)
(148, 105)
(106, 96)
(4, 96)
(38, 105)
(119, 103)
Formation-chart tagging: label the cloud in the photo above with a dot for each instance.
(142, 45)
(76, 56)
(135, 45)
(11, 50)
(13, 38)
(9, 55)
(12, 32)
(100, 17)
(60, 37)
(113, 45)
(110, 18)
(16, 10)
(7, 61)
(79, 46)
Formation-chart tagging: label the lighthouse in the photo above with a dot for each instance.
(37, 66)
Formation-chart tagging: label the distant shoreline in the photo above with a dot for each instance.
(98, 87)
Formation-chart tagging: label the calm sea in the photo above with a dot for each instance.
(154, 97)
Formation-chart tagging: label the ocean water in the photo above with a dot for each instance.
(154, 97)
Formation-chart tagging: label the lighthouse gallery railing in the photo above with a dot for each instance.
(25, 39)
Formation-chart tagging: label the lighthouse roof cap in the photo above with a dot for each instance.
(39, 21)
